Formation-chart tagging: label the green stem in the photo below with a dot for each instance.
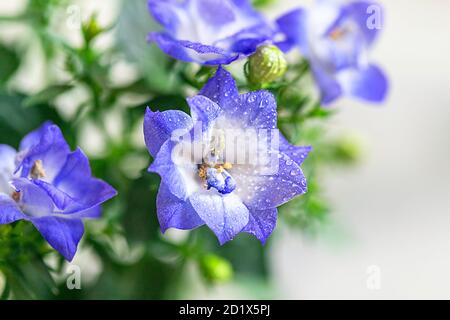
(18, 18)
(6, 291)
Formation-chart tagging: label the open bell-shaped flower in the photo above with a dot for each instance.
(226, 165)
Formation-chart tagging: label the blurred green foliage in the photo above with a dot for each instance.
(135, 260)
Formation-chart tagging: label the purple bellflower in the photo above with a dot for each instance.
(209, 32)
(50, 186)
(335, 37)
(226, 165)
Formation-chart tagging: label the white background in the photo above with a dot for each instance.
(393, 211)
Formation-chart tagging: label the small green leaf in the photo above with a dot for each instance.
(319, 112)
(16, 120)
(153, 64)
(262, 3)
(46, 95)
(9, 63)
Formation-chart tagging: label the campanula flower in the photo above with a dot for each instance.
(336, 38)
(44, 182)
(226, 165)
(209, 32)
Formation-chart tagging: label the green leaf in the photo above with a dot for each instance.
(16, 120)
(139, 220)
(31, 280)
(46, 95)
(133, 26)
(9, 63)
(319, 112)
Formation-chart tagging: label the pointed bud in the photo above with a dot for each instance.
(91, 29)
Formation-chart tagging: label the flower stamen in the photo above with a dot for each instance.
(37, 171)
(16, 196)
(337, 33)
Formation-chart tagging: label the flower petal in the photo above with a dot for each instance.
(255, 110)
(210, 8)
(158, 127)
(62, 234)
(221, 89)
(46, 144)
(34, 201)
(261, 223)
(296, 153)
(226, 215)
(179, 177)
(165, 12)
(92, 213)
(369, 83)
(195, 32)
(9, 210)
(361, 13)
(329, 87)
(175, 213)
(7, 167)
(61, 199)
(204, 110)
(247, 41)
(293, 26)
(75, 181)
(34, 137)
(260, 191)
(189, 51)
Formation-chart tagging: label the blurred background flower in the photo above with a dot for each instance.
(194, 31)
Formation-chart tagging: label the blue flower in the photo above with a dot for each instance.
(336, 39)
(226, 165)
(50, 186)
(209, 32)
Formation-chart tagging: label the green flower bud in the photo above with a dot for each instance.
(216, 269)
(266, 65)
(348, 149)
(91, 29)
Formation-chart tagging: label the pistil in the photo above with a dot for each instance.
(216, 176)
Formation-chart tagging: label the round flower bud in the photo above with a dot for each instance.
(216, 269)
(266, 65)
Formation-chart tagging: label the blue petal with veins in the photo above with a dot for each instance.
(228, 195)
